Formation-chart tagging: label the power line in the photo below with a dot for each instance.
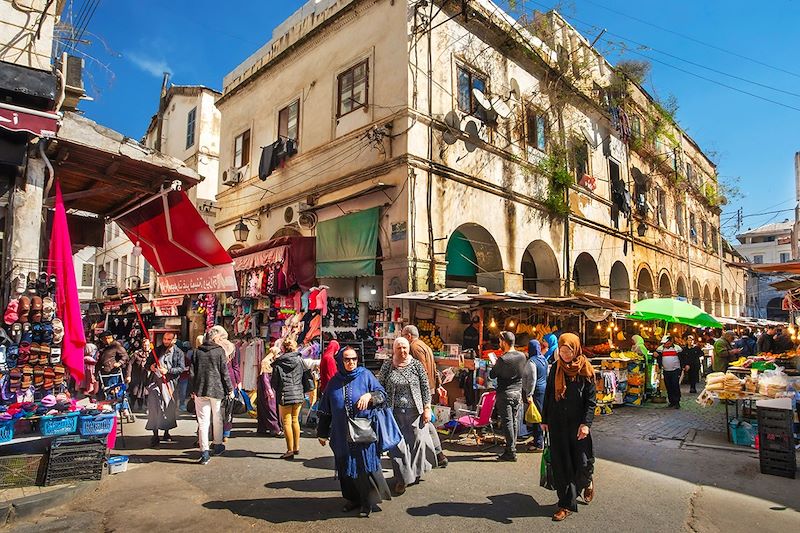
(694, 39)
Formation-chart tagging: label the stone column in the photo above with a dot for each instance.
(25, 207)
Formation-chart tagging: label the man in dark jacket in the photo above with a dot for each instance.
(766, 342)
(210, 384)
(509, 370)
(113, 356)
(162, 399)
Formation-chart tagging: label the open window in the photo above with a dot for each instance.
(467, 81)
(353, 90)
(289, 122)
(241, 149)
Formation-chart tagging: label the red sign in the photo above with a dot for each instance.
(167, 306)
(38, 123)
(110, 307)
(214, 279)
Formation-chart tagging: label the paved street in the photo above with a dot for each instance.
(642, 485)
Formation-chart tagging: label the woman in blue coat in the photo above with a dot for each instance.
(353, 392)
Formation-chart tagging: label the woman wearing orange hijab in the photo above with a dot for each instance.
(569, 403)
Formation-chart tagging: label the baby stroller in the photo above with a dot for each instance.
(115, 392)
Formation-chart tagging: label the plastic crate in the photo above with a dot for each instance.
(52, 426)
(75, 460)
(20, 470)
(779, 442)
(777, 465)
(6, 430)
(117, 464)
(780, 419)
(96, 425)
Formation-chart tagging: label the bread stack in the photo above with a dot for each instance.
(731, 383)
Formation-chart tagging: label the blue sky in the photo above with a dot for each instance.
(200, 41)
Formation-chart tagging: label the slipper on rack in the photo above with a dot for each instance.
(38, 377)
(49, 377)
(41, 284)
(33, 356)
(24, 308)
(20, 283)
(51, 286)
(55, 355)
(31, 284)
(12, 354)
(58, 331)
(12, 312)
(48, 309)
(16, 332)
(59, 371)
(27, 377)
(14, 379)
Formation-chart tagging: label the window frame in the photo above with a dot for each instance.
(532, 111)
(90, 275)
(245, 150)
(693, 228)
(636, 126)
(680, 218)
(475, 109)
(661, 202)
(287, 109)
(788, 256)
(758, 259)
(191, 127)
(339, 78)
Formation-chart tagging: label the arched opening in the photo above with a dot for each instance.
(680, 289)
(539, 269)
(696, 294)
(774, 311)
(665, 286)
(740, 311)
(586, 275)
(287, 232)
(470, 250)
(707, 307)
(726, 303)
(717, 302)
(619, 282)
(644, 284)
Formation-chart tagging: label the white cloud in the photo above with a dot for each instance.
(154, 67)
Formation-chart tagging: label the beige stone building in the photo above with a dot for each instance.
(513, 157)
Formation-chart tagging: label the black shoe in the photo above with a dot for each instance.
(288, 456)
(219, 449)
(155, 442)
(205, 457)
(365, 511)
(507, 457)
(441, 459)
(167, 438)
(350, 506)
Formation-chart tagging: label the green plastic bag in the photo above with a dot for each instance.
(546, 468)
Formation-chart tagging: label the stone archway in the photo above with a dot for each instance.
(697, 295)
(540, 273)
(644, 283)
(665, 285)
(471, 249)
(717, 302)
(726, 303)
(287, 231)
(585, 275)
(775, 311)
(619, 282)
(707, 302)
(680, 288)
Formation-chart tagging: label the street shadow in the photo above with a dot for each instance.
(502, 509)
(324, 484)
(282, 510)
(320, 463)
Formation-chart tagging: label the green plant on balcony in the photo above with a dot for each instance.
(559, 179)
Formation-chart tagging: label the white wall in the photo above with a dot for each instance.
(18, 25)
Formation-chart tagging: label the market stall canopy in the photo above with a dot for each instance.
(347, 246)
(297, 254)
(788, 268)
(179, 245)
(104, 172)
(673, 311)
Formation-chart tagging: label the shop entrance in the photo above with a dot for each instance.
(644, 284)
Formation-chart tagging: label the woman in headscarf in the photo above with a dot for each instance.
(352, 393)
(409, 397)
(640, 348)
(327, 365)
(552, 347)
(266, 401)
(534, 384)
(567, 415)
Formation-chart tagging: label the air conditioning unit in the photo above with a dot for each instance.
(291, 214)
(307, 220)
(233, 175)
(133, 283)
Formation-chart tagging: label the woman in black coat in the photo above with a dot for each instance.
(690, 363)
(569, 403)
(287, 380)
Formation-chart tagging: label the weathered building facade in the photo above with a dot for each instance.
(509, 156)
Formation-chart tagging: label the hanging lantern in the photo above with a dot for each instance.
(241, 231)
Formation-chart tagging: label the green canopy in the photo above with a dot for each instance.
(673, 311)
(347, 246)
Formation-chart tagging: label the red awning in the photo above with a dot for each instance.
(172, 234)
(270, 256)
(775, 268)
(298, 255)
(39, 123)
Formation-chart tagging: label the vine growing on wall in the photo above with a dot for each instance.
(559, 179)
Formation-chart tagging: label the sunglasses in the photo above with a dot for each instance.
(350, 359)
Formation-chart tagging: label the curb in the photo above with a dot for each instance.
(38, 503)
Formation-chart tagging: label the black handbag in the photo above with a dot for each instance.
(308, 381)
(359, 430)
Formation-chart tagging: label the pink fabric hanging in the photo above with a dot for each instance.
(68, 304)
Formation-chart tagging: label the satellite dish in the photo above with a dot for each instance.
(481, 99)
(588, 134)
(515, 93)
(453, 125)
(501, 107)
(471, 130)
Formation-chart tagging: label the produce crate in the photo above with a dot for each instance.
(775, 419)
(779, 442)
(96, 425)
(53, 426)
(778, 464)
(6, 430)
(20, 470)
(75, 460)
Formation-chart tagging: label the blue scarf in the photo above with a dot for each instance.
(347, 377)
(534, 348)
(552, 346)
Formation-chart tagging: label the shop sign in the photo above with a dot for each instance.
(38, 123)
(110, 307)
(213, 279)
(167, 306)
(399, 231)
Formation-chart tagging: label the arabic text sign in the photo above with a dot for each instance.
(214, 279)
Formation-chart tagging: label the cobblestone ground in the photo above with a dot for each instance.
(657, 421)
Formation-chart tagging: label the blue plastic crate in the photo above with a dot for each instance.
(96, 425)
(6, 430)
(53, 426)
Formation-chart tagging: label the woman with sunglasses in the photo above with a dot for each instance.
(567, 415)
(353, 392)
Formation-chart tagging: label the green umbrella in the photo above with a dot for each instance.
(673, 311)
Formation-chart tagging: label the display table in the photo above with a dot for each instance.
(746, 399)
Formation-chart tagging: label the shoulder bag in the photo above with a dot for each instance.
(359, 430)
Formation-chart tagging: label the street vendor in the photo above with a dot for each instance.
(472, 336)
(724, 351)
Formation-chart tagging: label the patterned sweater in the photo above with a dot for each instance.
(405, 387)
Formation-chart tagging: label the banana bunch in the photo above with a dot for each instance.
(434, 341)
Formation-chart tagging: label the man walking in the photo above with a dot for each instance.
(162, 398)
(509, 370)
(670, 362)
(423, 353)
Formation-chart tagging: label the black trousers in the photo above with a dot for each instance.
(672, 380)
(508, 404)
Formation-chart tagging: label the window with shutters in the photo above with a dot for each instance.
(680, 218)
(536, 129)
(241, 149)
(469, 80)
(191, 120)
(289, 121)
(87, 275)
(353, 89)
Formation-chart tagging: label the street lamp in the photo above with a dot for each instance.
(241, 231)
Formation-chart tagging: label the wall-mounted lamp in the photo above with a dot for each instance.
(241, 231)
(373, 291)
(641, 229)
